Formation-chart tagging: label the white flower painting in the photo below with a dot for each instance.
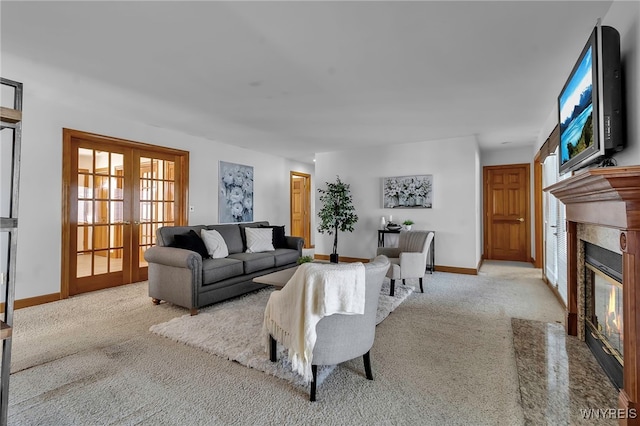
(407, 192)
(235, 195)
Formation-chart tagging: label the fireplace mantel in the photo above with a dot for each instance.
(609, 197)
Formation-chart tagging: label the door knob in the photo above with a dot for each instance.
(521, 219)
(135, 222)
(126, 222)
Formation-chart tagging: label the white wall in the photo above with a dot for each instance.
(625, 17)
(498, 157)
(47, 109)
(454, 165)
(479, 207)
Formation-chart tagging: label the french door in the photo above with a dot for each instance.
(116, 193)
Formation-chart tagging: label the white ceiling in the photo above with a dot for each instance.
(294, 78)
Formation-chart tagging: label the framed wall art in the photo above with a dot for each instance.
(414, 191)
(235, 193)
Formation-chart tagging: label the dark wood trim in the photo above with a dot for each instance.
(456, 270)
(439, 268)
(630, 396)
(555, 292)
(65, 269)
(34, 301)
(123, 142)
(341, 258)
(572, 278)
(549, 146)
(538, 221)
(624, 403)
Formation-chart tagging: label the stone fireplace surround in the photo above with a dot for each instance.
(608, 238)
(602, 204)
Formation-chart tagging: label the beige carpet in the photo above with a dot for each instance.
(233, 330)
(444, 357)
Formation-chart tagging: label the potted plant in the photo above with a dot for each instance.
(407, 224)
(337, 212)
(304, 259)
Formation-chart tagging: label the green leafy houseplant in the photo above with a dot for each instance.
(408, 222)
(337, 212)
(304, 259)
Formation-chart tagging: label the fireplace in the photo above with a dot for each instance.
(603, 309)
(607, 198)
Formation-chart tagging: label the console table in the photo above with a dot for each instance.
(431, 262)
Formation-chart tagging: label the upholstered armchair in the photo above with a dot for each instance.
(341, 337)
(409, 259)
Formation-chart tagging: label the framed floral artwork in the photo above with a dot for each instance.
(235, 193)
(407, 192)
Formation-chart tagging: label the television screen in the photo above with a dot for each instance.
(576, 110)
(590, 116)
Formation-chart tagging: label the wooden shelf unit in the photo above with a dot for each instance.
(10, 115)
(5, 330)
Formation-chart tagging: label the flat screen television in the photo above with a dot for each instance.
(590, 104)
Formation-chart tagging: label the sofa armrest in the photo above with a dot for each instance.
(172, 256)
(295, 243)
(175, 275)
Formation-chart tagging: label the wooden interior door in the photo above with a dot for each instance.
(301, 207)
(507, 229)
(117, 193)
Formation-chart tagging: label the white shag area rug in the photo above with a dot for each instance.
(233, 330)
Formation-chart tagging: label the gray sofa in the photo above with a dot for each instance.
(184, 278)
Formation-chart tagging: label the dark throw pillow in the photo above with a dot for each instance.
(279, 240)
(191, 241)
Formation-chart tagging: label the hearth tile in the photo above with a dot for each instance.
(559, 377)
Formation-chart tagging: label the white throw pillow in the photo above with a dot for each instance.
(216, 246)
(259, 239)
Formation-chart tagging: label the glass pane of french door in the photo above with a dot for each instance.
(157, 201)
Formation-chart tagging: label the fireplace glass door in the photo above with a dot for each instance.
(604, 311)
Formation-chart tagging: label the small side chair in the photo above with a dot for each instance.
(409, 259)
(341, 337)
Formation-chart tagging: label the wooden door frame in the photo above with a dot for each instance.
(538, 221)
(485, 207)
(307, 225)
(67, 136)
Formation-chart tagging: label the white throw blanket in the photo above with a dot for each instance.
(314, 291)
